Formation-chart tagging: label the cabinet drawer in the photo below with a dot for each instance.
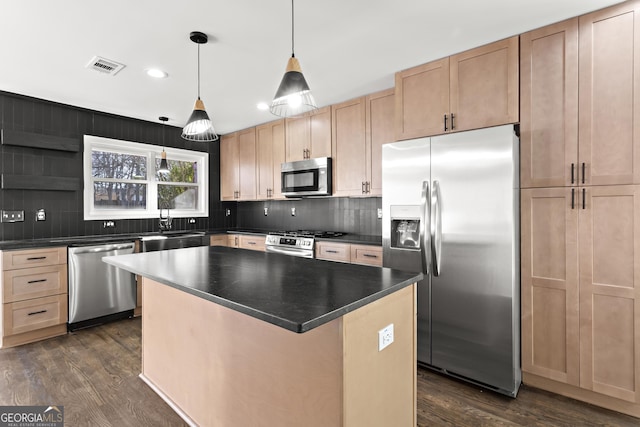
(33, 258)
(233, 240)
(27, 283)
(255, 243)
(333, 251)
(366, 254)
(37, 313)
(218, 240)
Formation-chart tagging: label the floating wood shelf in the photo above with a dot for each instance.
(39, 140)
(31, 182)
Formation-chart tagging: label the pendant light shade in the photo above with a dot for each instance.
(164, 167)
(199, 126)
(293, 95)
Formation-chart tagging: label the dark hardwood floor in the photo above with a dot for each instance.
(93, 373)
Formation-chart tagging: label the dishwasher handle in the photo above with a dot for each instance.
(110, 248)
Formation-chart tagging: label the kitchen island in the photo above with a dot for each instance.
(237, 337)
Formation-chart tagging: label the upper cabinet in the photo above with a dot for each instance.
(270, 145)
(360, 128)
(549, 105)
(579, 87)
(350, 148)
(380, 117)
(238, 165)
(609, 76)
(308, 136)
(474, 89)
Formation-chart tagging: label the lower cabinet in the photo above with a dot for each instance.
(34, 295)
(351, 253)
(255, 243)
(581, 293)
(218, 240)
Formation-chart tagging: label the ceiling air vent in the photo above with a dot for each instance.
(105, 66)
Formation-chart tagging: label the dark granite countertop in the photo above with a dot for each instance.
(297, 294)
(112, 238)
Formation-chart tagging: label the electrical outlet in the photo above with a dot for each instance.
(108, 224)
(227, 212)
(192, 220)
(379, 213)
(266, 211)
(12, 216)
(41, 215)
(385, 337)
(293, 211)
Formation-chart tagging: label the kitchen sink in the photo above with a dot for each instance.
(173, 240)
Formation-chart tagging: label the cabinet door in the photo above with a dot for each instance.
(229, 169)
(610, 291)
(380, 130)
(549, 281)
(549, 106)
(320, 133)
(349, 146)
(247, 162)
(484, 86)
(278, 142)
(422, 100)
(264, 148)
(297, 140)
(609, 83)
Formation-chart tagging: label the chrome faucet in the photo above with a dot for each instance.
(165, 221)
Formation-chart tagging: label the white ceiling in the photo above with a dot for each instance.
(346, 48)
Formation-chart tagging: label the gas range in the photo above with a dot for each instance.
(298, 243)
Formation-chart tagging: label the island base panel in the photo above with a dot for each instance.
(222, 367)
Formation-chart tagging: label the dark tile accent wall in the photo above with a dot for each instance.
(350, 215)
(65, 208)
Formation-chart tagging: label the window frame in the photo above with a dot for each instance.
(151, 153)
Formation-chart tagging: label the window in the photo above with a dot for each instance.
(120, 180)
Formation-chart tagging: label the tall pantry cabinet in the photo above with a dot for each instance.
(580, 207)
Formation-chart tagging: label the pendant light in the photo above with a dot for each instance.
(199, 126)
(293, 95)
(164, 167)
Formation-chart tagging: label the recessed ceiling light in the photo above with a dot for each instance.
(262, 106)
(158, 74)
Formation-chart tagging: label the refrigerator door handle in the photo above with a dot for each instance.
(436, 229)
(425, 232)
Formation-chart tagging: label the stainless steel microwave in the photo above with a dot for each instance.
(306, 178)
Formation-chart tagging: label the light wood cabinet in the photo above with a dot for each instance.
(34, 295)
(360, 127)
(350, 148)
(581, 292)
(473, 89)
(549, 106)
(270, 145)
(218, 240)
(255, 243)
(229, 167)
(580, 101)
(380, 117)
(347, 252)
(609, 247)
(233, 240)
(340, 252)
(549, 281)
(308, 136)
(238, 165)
(609, 85)
(366, 254)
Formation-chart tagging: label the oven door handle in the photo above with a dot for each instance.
(290, 251)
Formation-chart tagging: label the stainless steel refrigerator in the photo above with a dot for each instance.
(450, 209)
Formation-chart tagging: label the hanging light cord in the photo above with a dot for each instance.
(198, 70)
(292, 50)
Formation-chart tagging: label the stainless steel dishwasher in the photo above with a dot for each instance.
(99, 292)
